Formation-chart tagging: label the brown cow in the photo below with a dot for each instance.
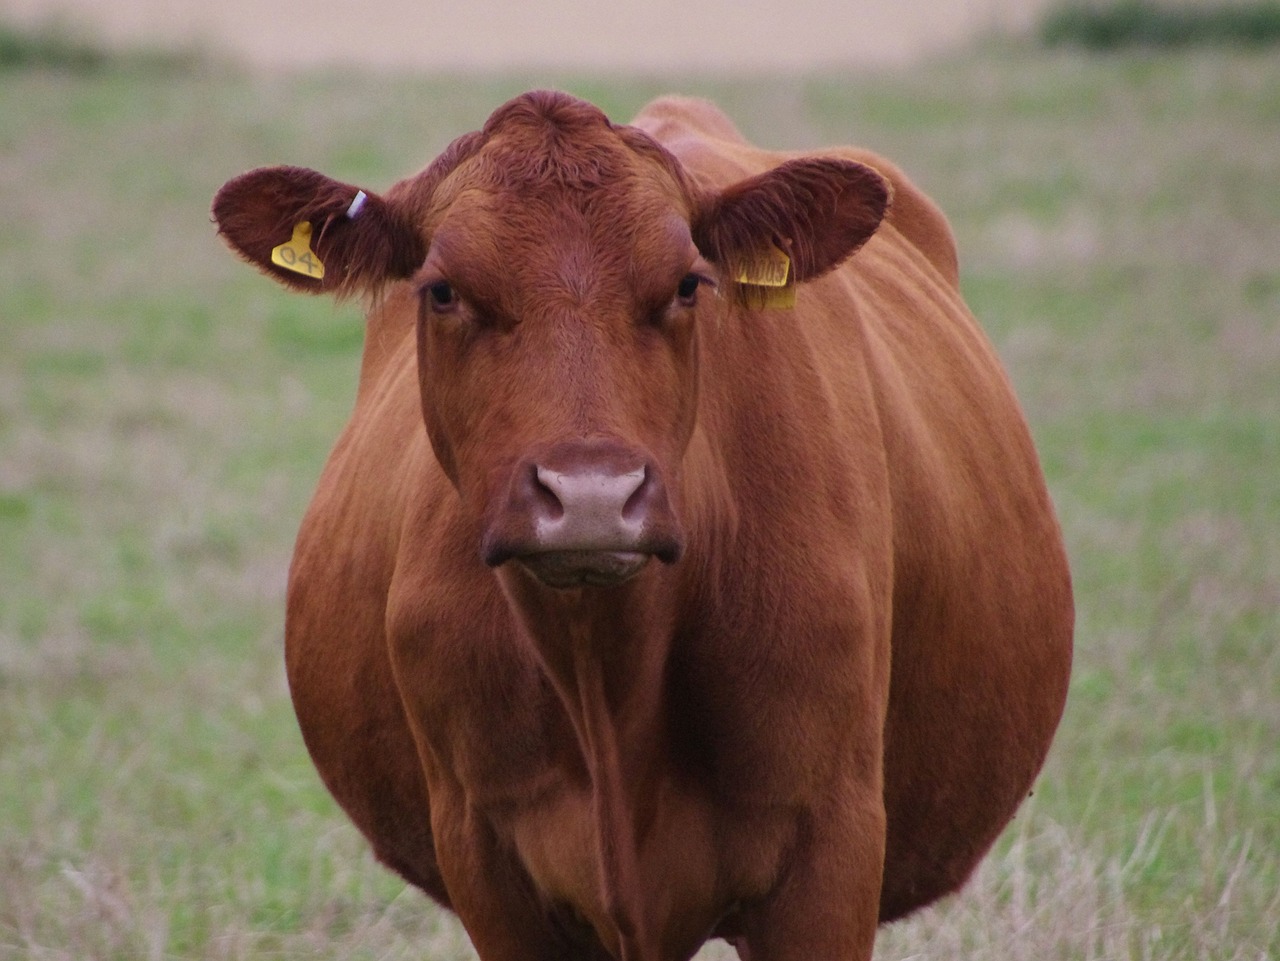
(721, 595)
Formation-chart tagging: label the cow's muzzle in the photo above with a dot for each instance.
(584, 514)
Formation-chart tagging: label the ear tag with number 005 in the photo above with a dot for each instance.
(296, 254)
(767, 281)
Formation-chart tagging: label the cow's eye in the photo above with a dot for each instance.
(687, 292)
(442, 296)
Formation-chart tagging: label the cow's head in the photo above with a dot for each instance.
(563, 266)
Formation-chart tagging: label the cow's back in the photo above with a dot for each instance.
(709, 145)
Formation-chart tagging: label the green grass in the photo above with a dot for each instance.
(1160, 24)
(60, 47)
(48, 49)
(164, 413)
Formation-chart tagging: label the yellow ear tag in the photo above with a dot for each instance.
(296, 254)
(767, 281)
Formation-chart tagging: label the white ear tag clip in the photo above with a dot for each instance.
(357, 205)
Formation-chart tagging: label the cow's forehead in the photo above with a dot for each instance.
(560, 154)
(542, 260)
(550, 203)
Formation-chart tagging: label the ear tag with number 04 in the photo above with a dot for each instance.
(296, 254)
(767, 281)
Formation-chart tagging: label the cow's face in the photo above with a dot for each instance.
(563, 267)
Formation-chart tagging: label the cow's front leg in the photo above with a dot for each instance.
(488, 888)
(826, 904)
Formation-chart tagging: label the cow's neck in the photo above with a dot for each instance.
(605, 652)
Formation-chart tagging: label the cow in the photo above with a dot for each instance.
(686, 569)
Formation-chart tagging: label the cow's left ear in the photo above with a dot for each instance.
(315, 234)
(817, 210)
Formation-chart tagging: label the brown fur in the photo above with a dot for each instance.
(821, 715)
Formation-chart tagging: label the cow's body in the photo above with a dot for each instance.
(818, 703)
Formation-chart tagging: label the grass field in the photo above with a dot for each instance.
(164, 413)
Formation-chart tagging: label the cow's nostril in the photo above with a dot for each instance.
(546, 499)
(638, 501)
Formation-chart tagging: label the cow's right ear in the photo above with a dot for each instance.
(315, 234)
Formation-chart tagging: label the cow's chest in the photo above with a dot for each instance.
(503, 731)
(660, 844)
(702, 806)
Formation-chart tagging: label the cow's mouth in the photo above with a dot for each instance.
(584, 568)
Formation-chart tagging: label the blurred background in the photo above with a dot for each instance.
(1112, 174)
(496, 34)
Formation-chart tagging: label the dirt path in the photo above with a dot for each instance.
(652, 35)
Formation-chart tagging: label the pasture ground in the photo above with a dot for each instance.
(164, 413)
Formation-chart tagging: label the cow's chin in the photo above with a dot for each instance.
(584, 568)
